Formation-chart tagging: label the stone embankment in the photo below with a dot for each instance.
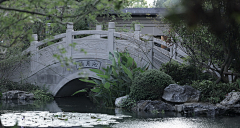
(184, 99)
(17, 94)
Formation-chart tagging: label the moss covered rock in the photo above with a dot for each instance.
(150, 85)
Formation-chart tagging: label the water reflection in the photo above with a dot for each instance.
(138, 120)
(180, 122)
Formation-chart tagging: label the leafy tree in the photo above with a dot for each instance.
(159, 3)
(139, 4)
(212, 26)
(165, 3)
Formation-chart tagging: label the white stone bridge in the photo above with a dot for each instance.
(43, 69)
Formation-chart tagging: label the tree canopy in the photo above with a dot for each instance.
(165, 3)
(210, 28)
(139, 4)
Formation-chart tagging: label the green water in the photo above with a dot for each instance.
(138, 120)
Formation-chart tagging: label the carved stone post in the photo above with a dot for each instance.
(98, 27)
(137, 31)
(171, 51)
(34, 53)
(69, 39)
(111, 30)
(175, 51)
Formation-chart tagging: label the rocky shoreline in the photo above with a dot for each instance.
(184, 100)
(17, 94)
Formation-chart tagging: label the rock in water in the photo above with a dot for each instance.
(119, 101)
(180, 94)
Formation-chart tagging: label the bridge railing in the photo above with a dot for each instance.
(57, 37)
(136, 39)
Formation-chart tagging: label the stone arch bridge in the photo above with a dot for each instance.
(43, 69)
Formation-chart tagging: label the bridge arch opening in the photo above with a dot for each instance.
(71, 87)
(71, 83)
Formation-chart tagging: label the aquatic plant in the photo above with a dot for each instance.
(59, 119)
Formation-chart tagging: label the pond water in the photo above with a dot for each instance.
(117, 118)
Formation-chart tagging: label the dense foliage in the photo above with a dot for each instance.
(115, 81)
(165, 3)
(183, 73)
(128, 103)
(212, 92)
(150, 85)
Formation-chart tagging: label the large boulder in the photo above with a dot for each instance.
(180, 94)
(16, 94)
(231, 102)
(119, 101)
(231, 99)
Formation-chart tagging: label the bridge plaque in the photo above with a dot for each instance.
(88, 64)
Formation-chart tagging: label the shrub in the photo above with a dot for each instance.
(128, 103)
(214, 93)
(42, 95)
(184, 74)
(149, 85)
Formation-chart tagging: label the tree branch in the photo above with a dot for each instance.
(1, 1)
(38, 13)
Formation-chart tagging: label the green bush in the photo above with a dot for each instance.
(149, 85)
(184, 74)
(214, 93)
(128, 103)
(42, 95)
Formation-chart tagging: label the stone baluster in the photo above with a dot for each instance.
(175, 51)
(137, 31)
(69, 39)
(171, 51)
(151, 44)
(34, 53)
(98, 27)
(111, 30)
